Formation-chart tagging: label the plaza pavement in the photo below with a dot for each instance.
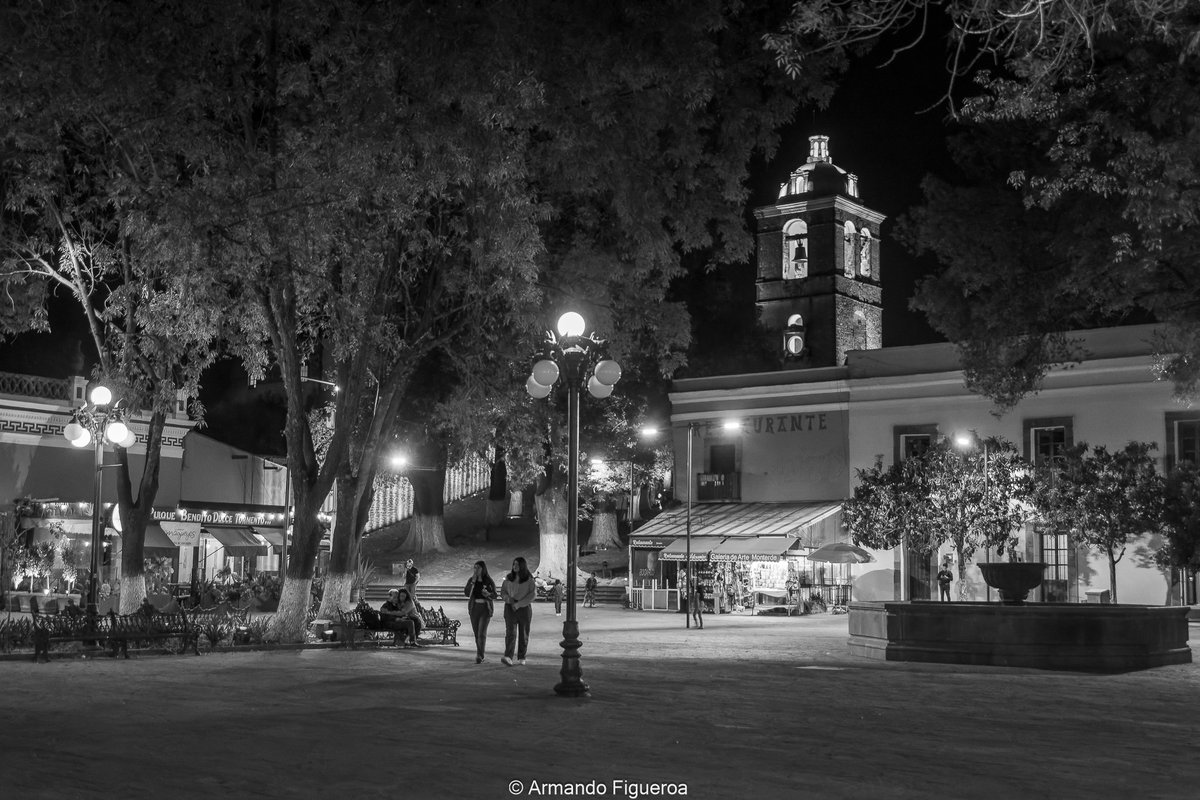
(749, 707)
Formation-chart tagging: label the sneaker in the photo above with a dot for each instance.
(506, 661)
(521, 661)
(479, 659)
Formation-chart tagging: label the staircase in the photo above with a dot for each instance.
(440, 595)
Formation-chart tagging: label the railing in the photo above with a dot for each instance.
(718, 486)
(13, 383)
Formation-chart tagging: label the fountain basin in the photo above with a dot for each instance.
(1060, 636)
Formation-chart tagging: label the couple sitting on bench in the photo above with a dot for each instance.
(399, 613)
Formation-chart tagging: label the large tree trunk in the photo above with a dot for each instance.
(604, 529)
(497, 502)
(337, 594)
(288, 623)
(136, 514)
(552, 530)
(427, 531)
(133, 589)
(354, 495)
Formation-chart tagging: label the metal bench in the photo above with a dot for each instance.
(113, 631)
(436, 628)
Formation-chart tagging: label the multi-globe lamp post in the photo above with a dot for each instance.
(97, 422)
(573, 350)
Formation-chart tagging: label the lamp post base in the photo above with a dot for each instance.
(572, 684)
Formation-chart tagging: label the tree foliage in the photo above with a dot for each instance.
(1091, 107)
(1181, 519)
(1103, 499)
(970, 500)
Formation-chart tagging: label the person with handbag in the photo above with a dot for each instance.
(518, 591)
(481, 597)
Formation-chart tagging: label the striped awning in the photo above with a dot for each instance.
(815, 523)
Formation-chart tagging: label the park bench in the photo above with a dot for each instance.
(112, 630)
(436, 628)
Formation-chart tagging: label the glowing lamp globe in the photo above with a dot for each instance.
(116, 431)
(536, 389)
(129, 441)
(545, 372)
(597, 389)
(100, 396)
(962, 440)
(73, 431)
(571, 324)
(608, 372)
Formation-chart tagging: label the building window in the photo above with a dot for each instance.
(1047, 439)
(864, 253)
(848, 250)
(795, 250)
(1182, 437)
(912, 440)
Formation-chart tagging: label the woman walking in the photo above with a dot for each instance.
(518, 591)
(481, 596)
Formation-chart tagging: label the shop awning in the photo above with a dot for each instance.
(753, 548)
(701, 545)
(274, 536)
(157, 539)
(813, 523)
(237, 541)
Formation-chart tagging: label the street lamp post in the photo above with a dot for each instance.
(573, 349)
(98, 421)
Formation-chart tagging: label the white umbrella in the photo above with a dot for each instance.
(840, 553)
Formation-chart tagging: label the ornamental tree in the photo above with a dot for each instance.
(1103, 499)
(1181, 522)
(972, 500)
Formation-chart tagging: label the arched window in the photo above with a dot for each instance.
(864, 253)
(849, 251)
(795, 250)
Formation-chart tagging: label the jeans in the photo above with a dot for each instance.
(479, 625)
(408, 627)
(516, 629)
(944, 591)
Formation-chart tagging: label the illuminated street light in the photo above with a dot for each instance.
(98, 422)
(571, 350)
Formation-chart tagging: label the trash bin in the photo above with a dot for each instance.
(1101, 597)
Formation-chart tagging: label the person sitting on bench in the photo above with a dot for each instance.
(399, 613)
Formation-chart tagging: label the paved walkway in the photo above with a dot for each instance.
(749, 707)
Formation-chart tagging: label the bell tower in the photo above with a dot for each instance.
(818, 288)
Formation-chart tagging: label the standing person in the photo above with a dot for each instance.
(556, 594)
(518, 591)
(589, 592)
(412, 576)
(481, 596)
(944, 577)
(697, 604)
